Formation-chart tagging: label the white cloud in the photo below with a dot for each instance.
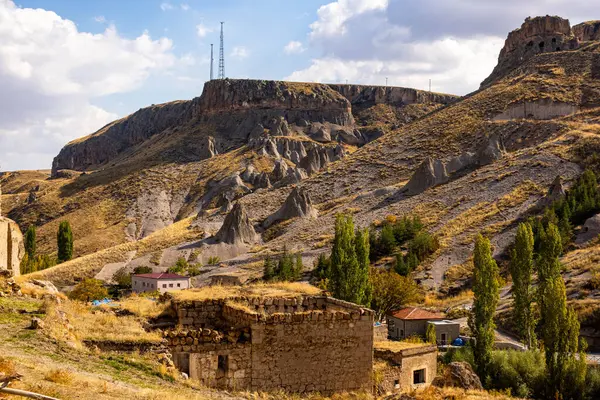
(333, 16)
(203, 30)
(185, 6)
(294, 47)
(166, 6)
(50, 74)
(240, 52)
(100, 19)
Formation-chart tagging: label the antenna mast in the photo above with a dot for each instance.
(212, 60)
(221, 57)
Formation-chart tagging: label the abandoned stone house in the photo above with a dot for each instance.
(12, 249)
(299, 344)
(402, 367)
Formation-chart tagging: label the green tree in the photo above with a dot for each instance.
(142, 270)
(401, 267)
(285, 266)
(560, 327)
(30, 242)
(391, 291)
(422, 245)
(322, 268)
(298, 267)
(485, 301)
(268, 269)
(387, 241)
(64, 241)
(521, 270)
(88, 290)
(122, 277)
(430, 334)
(348, 281)
(180, 267)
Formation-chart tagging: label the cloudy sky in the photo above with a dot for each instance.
(69, 67)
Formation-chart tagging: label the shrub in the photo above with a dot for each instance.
(422, 245)
(523, 372)
(213, 260)
(122, 277)
(461, 354)
(88, 290)
(142, 270)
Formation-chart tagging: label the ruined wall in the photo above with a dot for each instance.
(11, 246)
(541, 110)
(408, 361)
(224, 366)
(317, 351)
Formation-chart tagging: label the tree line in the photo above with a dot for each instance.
(33, 262)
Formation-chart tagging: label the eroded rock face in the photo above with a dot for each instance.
(297, 205)
(223, 191)
(590, 230)
(237, 228)
(361, 94)
(459, 374)
(587, 31)
(491, 150)
(536, 35)
(555, 193)
(12, 249)
(428, 174)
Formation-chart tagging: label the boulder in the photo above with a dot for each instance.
(590, 230)
(297, 205)
(294, 175)
(280, 171)
(428, 174)
(459, 374)
(459, 162)
(237, 228)
(223, 191)
(491, 150)
(555, 192)
(322, 135)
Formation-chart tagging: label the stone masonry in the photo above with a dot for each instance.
(12, 249)
(299, 344)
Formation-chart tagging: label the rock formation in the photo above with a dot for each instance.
(536, 35)
(297, 205)
(256, 179)
(429, 173)
(398, 96)
(12, 249)
(237, 228)
(459, 374)
(218, 193)
(491, 150)
(555, 192)
(587, 31)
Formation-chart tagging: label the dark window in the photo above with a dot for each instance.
(542, 45)
(401, 333)
(223, 363)
(179, 285)
(397, 384)
(558, 49)
(164, 285)
(553, 40)
(530, 44)
(170, 285)
(419, 376)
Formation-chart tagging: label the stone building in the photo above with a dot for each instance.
(410, 321)
(298, 343)
(12, 249)
(404, 366)
(445, 331)
(160, 282)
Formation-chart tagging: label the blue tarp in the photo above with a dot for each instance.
(458, 342)
(99, 302)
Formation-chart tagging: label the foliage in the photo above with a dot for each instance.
(122, 277)
(349, 278)
(142, 270)
(29, 239)
(521, 268)
(64, 239)
(213, 260)
(38, 263)
(430, 334)
(288, 268)
(460, 354)
(182, 267)
(322, 269)
(391, 291)
(523, 372)
(566, 368)
(485, 301)
(88, 290)
(422, 245)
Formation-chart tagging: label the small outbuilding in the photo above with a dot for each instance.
(445, 331)
(410, 321)
(161, 282)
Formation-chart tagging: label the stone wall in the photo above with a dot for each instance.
(398, 375)
(12, 249)
(541, 110)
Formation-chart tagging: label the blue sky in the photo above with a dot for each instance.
(68, 67)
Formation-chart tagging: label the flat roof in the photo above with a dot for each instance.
(161, 276)
(415, 313)
(443, 322)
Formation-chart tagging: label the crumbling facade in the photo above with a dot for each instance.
(405, 369)
(299, 344)
(11, 245)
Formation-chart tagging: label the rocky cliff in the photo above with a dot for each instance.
(587, 31)
(398, 96)
(536, 35)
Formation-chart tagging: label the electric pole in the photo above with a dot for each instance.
(212, 60)
(221, 56)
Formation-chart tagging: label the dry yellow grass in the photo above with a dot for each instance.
(393, 345)
(281, 289)
(142, 306)
(61, 376)
(583, 259)
(91, 264)
(436, 301)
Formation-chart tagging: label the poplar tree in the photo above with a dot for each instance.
(430, 334)
(485, 301)
(560, 327)
(30, 246)
(350, 262)
(521, 269)
(64, 242)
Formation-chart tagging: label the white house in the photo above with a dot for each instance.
(161, 282)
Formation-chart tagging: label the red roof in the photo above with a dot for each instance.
(161, 276)
(415, 313)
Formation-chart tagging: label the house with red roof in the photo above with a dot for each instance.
(413, 321)
(161, 282)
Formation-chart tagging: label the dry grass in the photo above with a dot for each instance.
(91, 264)
(439, 302)
(582, 260)
(280, 289)
(61, 376)
(393, 345)
(142, 306)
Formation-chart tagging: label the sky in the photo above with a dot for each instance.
(69, 67)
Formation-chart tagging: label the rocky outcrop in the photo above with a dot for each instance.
(237, 228)
(317, 158)
(587, 31)
(542, 109)
(433, 172)
(459, 374)
(221, 192)
(536, 35)
(12, 249)
(590, 230)
(256, 179)
(297, 205)
(398, 96)
(555, 193)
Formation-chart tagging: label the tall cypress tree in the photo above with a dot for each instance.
(485, 301)
(560, 327)
(64, 242)
(30, 246)
(521, 269)
(349, 262)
